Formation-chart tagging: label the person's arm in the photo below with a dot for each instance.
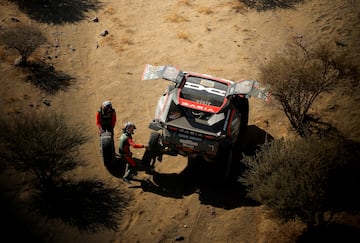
(98, 120)
(135, 145)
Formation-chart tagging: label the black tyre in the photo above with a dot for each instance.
(107, 147)
(153, 149)
(225, 161)
(228, 165)
(243, 107)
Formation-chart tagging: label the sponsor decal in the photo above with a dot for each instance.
(207, 89)
(189, 137)
(188, 143)
(200, 107)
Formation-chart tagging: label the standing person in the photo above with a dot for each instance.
(106, 117)
(124, 150)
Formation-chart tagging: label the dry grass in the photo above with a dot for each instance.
(184, 2)
(205, 10)
(113, 42)
(175, 18)
(214, 70)
(126, 40)
(118, 22)
(183, 36)
(234, 5)
(109, 11)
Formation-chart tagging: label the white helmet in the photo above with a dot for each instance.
(107, 104)
(129, 127)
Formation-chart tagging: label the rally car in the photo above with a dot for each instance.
(198, 115)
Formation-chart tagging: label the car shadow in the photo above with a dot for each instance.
(203, 178)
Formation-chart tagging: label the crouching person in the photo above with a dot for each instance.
(125, 143)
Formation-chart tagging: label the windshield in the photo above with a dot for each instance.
(204, 91)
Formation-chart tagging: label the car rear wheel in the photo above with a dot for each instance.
(240, 144)
(243, 106)
(228, 165)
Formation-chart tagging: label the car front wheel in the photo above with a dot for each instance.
(152, 151)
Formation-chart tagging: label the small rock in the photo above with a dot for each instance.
(104, 33)
(57, 43)
(18, 61)
(46, 102)
(95, 19)
(15, 19)
(179, 238)
(266, 122)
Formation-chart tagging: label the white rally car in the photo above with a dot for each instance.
(198, 115)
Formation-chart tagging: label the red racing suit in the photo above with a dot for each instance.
(106, 120)
(125, 143)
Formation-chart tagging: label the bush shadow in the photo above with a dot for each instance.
(58, 11)
(264, 5)
(14, 219)
(333, 232)
(341, 182)
(207, 179)
(46, 78)
(87, 205)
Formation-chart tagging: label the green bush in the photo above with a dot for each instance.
(293, 178)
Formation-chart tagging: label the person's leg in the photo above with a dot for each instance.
(133, 171)
(127, 171)
(126, 174)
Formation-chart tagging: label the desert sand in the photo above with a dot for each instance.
(221, 38)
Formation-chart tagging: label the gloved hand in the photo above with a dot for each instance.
(101, 131)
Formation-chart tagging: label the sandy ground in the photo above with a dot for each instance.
(221, 38)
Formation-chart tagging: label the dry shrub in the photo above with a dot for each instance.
(303, 179)
(41, 145)
(24, 39)
(46, 149)
(300, 75)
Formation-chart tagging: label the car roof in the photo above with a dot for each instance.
(207, 76)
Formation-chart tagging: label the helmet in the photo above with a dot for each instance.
(129, 127)
(107, 104)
